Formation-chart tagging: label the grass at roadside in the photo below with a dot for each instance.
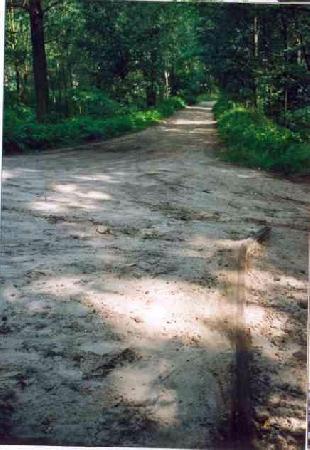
(23, 132)
(254, 140)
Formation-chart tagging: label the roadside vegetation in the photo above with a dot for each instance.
(260, 60)
(255, 140)
(23, 132)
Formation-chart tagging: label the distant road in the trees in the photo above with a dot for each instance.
(125, 294)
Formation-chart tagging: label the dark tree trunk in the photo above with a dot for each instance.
(23, 86)
(39, 58)
(151, 76)
(305, 53)
(255, 36)
(173, 83)
(150, 96)
(285, 57)
(17, 77)
(255, 55)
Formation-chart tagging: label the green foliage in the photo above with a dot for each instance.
(254, 140)
(296, 158)
(207, 97)
(259, 55)
(14, 119)
(17, 115)
(110, 62)
(92, 103)
(137, 53)
(170, 105)
(298, 120)
(21, 131)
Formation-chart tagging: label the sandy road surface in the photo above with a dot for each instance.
(119, 287)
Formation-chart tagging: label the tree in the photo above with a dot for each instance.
(258, 57)
(36, 16)
(39, 57)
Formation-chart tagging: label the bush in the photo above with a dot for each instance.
(23, 132)
(207, 97)
(256, 141)
(298, 121)
(295, 159)
(167, 107)
(93, 103)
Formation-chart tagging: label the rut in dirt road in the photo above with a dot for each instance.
(242, 430)
(118, 280)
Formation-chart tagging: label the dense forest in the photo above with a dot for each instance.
(78, 70)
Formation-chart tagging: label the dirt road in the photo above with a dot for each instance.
(120, 290)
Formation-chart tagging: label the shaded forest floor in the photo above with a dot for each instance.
(119, 293)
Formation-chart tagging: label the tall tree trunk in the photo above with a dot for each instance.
(285, 57)
(39, 58)
(23, 85)
(255, 55)
(255, 37)
(151, 95)
(151, 76)
(304, 52)
(17, 78)
(167, 86)
(299, 54)
(266, 57)
(173, 82)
